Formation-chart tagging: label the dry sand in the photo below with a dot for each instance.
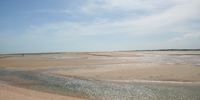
(8, 92)
(17, 62)
(146, 71)
(30, 63)
(137, 73)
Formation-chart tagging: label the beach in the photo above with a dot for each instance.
(144, 66)
(8, 92)
(137, 73)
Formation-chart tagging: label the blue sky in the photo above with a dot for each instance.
(98, 25)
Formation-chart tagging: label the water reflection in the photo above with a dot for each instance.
(42, 80)
(92, 89)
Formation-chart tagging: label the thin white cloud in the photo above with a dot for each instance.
(125, 5)
(128, 17)
(176, 16)
(186, 36)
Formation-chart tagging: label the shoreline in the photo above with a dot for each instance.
(129, 81)
(164, 69)
(10, 92)
(171, 73)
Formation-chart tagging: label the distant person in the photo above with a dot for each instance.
(22, 55)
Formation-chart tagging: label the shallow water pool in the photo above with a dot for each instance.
(99, 90)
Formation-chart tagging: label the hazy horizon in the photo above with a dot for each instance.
(98, 25)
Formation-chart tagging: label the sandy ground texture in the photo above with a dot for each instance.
(177, 66)
(137, 73)
(117, 66)
(41, 61)
(8, 92)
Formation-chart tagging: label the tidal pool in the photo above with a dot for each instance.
(99, 90)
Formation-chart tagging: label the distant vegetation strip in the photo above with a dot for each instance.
(167, 50)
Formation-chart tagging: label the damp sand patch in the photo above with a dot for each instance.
(91, 89)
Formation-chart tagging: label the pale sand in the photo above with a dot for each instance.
(8, 92)
(148, 71)
(30, 63)
(45, 61)
(113, 54)
(139, 72)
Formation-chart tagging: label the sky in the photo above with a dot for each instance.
(98, 25)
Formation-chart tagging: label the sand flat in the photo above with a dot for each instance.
(112, 54)
(161, 66)
(30, 63)
(101, 66)
(131, 73)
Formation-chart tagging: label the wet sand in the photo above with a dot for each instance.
(102, 66)
(135, 65)
(174, 73)
(8, 92)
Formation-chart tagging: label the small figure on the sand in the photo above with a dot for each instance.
(22, 55)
